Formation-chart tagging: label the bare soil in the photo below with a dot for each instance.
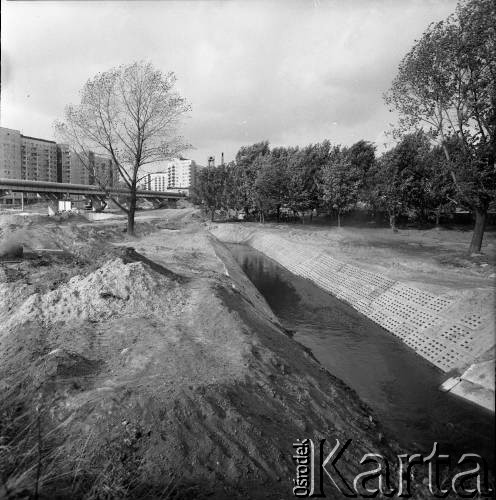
(154, 372)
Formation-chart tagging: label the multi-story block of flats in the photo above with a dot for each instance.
(32, 158)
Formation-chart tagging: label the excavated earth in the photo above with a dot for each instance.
(155, 372)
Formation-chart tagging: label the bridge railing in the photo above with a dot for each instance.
(29, 186)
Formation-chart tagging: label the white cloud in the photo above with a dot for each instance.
(291, 72)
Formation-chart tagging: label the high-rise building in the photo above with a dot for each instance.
(155, 182)
(102, 170)
(63, 163)
(72, 169)
(10, 161)
(80, 173)
(24, 157)
(31, 158)
(38, 159)
(10, 153)
(179, 173)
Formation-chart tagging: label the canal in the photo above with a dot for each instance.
(400, 386)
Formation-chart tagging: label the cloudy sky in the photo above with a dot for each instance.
(292, 72)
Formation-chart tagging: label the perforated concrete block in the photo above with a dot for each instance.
(472, 321)
(413, 295)
(423, 320)
(439, 304)
(446, 329)
(388, 301)
(403, 330)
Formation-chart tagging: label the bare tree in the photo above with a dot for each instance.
(130, 113)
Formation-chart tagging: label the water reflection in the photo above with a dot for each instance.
(400, 386)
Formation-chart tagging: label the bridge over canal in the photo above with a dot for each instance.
(54, 192)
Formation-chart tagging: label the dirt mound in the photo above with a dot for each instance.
(124, 382)
(208, 402)
(113, 289)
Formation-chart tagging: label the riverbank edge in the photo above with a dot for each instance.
(451, 329)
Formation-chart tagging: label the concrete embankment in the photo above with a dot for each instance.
(451, 327)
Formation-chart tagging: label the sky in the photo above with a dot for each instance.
(290, 72)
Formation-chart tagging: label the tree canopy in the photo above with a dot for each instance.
(446, 85)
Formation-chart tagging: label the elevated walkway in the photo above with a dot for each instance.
(55, 191)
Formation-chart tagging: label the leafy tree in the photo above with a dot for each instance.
(313, 158)
(130, 113)
(247, 154)
(362, 160)
(399, 177)
(245, 160)
(341, 181)
(446, 84)
(234, 197)
(210, 188)
(271, 182)
(298, 196)
(387, 191)
(413, 159)
(440, 191)
(304, 167)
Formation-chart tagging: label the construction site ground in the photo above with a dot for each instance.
(148, 366)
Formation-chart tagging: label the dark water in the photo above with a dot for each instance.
(396, 383)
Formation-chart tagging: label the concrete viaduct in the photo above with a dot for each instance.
(56, 191)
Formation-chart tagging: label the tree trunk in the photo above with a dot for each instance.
(212, 214)
(130, 213)
(278, 212)
(392, 222)
(339, 218)
(438, 216)
(478, 234)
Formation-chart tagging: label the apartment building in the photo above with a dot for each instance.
(71, 170)
(181, 173)
(24, 157)
(155, 182)
(10, 160)
(10, 153)
(177, 174)
(102, 170)
(38, 159)
(75, 170)
(32, 158)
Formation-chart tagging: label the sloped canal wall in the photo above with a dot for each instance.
(452, 329)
